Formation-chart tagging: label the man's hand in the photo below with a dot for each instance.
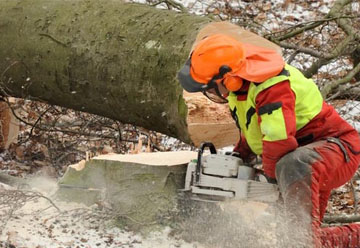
(244, 151)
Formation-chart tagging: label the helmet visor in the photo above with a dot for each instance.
(215, 96)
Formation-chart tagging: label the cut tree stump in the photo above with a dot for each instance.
(142, 189)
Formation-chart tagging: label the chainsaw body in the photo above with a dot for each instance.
(217, 177)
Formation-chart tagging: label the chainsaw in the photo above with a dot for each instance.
(218, 177)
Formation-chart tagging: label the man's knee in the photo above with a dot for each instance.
(295, 166)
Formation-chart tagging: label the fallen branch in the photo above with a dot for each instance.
(332, 85)
(341, 218)
(346, 91)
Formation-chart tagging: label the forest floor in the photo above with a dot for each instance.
(51, 138)
(34, 218)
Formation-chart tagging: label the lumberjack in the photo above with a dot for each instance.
(305, 145)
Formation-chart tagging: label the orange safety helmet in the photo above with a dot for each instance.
(221, 58)
(213, 53)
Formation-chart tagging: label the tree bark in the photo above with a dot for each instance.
(109, 58)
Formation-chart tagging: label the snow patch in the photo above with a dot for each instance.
(351, 112)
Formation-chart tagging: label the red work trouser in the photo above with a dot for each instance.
(306, 177)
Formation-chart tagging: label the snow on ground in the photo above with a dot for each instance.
(350, 111)
(75, 226)
(38, 224)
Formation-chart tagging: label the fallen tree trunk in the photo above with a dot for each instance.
(112, 59)
(140, 189)
(104, 57)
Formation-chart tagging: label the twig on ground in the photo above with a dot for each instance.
(12, 200)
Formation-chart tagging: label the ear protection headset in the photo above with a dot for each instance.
(231, 82)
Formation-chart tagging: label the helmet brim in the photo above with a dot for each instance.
(187, 82)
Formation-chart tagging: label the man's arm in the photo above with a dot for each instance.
(275, 107)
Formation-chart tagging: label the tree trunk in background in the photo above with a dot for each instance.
(104, 57)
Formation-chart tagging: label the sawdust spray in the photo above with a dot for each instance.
(242, 224)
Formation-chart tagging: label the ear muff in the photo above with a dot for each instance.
(233, 83)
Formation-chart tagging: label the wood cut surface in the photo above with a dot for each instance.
(79, 166)
(208, 121)
(153, 158)
(4, 124)
(9, 126)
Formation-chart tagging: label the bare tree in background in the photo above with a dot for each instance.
(325, 47)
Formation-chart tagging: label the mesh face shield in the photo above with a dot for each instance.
(214, 95)
(210, 90)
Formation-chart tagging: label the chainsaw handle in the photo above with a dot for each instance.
(209, 145)
(200, 153)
